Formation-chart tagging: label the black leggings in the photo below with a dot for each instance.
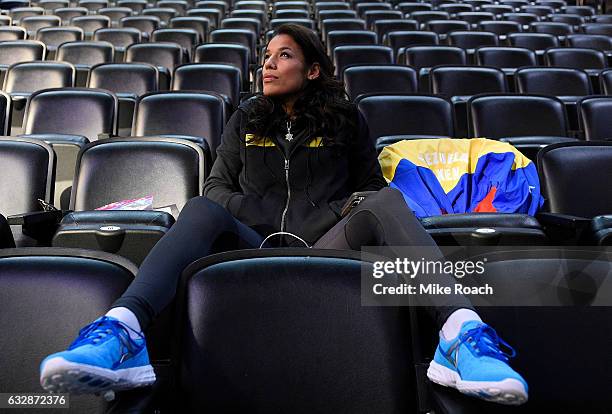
(204, 227)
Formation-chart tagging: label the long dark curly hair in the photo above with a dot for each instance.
(322, 108)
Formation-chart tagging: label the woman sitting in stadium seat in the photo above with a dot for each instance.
(288, 162)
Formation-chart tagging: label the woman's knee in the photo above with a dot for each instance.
(200, 209)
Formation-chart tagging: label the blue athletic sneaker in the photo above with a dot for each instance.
(102, 358)
(474, 364)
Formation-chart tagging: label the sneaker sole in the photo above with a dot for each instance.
(508, 391)
(60, 375)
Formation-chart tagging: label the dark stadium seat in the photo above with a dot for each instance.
(52, 37)
(349, 38)
(605, 79)
(163, 13)
(93, 5)
(24, 78)
(533, 41)
(84, 55)
(166, 56)
(242, 23)
(422, 17)
(137, 6)
(401, 40)
(579, 58)
(360, 80)
(474, 18)
(329, 25)
(128, 81)
(572, 173)
(336, 14)
(16, 51)
(567, 84)
(472, 40)
(444, 27)
(115, 13)
(459, 83)
(598, 29)
(345, 56)
(505, 57)
(335, 367)
(528, 122)
(572, 19)
(241, 37)
(33, 23)
(288, 14)
(146, 24)
(410, 7)
(199, 24)
(525, 19)
(500, 28)
(90, 24)
(178, 5)
(213, 15)
(46, 296)
(120, 38)
(170, 170)
(186, 38)
(209, 77)
(74, 111)
(19, 13)
(67, 13)
(226, 54)
(12, 33)
(382, 27)
(373, 16)
(553, 28)
(595, 113)
(28, 175)
(66, 149)
(599, 42)
(423, 58)
(198, 116)
(408, 116)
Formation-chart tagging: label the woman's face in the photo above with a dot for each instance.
(284, 70)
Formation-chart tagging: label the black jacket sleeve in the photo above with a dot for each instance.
(222, 185)
(364, 167)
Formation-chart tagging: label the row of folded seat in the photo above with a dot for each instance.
(172, 171)
(284, 330)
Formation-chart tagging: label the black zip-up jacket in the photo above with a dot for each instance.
(301, 193)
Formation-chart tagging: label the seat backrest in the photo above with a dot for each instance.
(467, 80)
(605, 80)
(407, 115)
(594, 116)
(115, 13)
(28, 77)
(350, 37)
(187, 38)
(472, 40)
(578, 58)
(300, 310)
(533, 41)
(403, 39)
(207, 77)
(500, 27)
(67, 13)
(443, 27)
(598, 29)
(345, 56)
(28, 175)
(145, 24)
(423, 17)
(553, 28)
(382, 27)
(226, 54)
(499, 116)
(52, 37)
(46, 296)
(180, 113)
(239, 36)
(430, 56)
(75, 111)
(86, 53)
(124, 78)
(118, 36)
(91, 23)
(5, 113)
(360, 80)
(21, 51)
(34, 23)
(170, 170)
(12, 33)
(553, 81)
(599, 42)
(199, 24)
(572, 173)
(167, 55)
(505, 57)
(329, 25)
